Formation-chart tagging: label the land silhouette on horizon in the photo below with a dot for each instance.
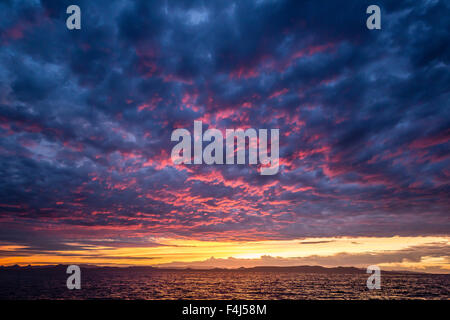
(300, 269)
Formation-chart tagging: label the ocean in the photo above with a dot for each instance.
(118, 283)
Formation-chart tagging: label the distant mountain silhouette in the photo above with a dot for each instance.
(299, 269)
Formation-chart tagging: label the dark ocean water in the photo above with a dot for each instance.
(144, 284)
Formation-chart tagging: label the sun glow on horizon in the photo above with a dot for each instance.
(389, 252)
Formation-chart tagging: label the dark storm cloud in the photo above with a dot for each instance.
(86, 118)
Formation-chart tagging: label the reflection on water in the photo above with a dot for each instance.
(145, 284)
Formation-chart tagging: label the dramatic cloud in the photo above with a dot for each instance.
(86, 117)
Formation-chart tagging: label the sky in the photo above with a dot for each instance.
(86, 118)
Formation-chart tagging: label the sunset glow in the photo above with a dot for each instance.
(392, 253)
